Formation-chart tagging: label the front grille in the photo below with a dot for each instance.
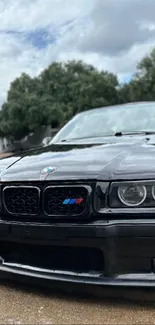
(23, 200)
(75, 259)
(43, 202)
(56, 196)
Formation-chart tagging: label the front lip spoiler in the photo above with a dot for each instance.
(125, 280)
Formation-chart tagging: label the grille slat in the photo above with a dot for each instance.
(75, 259)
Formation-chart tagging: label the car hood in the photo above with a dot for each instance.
(127, 157)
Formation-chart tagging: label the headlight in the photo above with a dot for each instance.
(138, 194)
(132, 195)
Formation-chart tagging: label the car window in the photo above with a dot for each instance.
(109, 120)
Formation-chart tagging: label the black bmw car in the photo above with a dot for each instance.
(82, 209)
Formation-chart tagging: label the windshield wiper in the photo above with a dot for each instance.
(90, 137)
(117, 134)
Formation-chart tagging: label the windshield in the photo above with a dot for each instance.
(108, 121)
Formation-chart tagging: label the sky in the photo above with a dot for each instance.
(112, 35)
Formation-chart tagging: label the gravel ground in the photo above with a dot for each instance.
(25, 304)
(5, 154)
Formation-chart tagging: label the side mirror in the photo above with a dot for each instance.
(46, 141)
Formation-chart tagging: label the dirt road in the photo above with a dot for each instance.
(22, 304)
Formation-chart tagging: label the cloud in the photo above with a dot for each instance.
(116, 36)
(110, 34)
(31, 34)
(119, 25)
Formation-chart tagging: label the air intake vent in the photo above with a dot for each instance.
(75, 259)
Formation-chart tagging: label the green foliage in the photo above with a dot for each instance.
(52, 98)
(62, 90)
(142, 85)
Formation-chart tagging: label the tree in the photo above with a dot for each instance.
(52, 98)
(79, 86)
(64, 89)
(142, 85)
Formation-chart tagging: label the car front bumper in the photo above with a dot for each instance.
(128, 251)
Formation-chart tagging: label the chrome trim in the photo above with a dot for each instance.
(131, 205)
(138, 280)
(87, 187)
(153, 191)
(20, 186)
(38, 269)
